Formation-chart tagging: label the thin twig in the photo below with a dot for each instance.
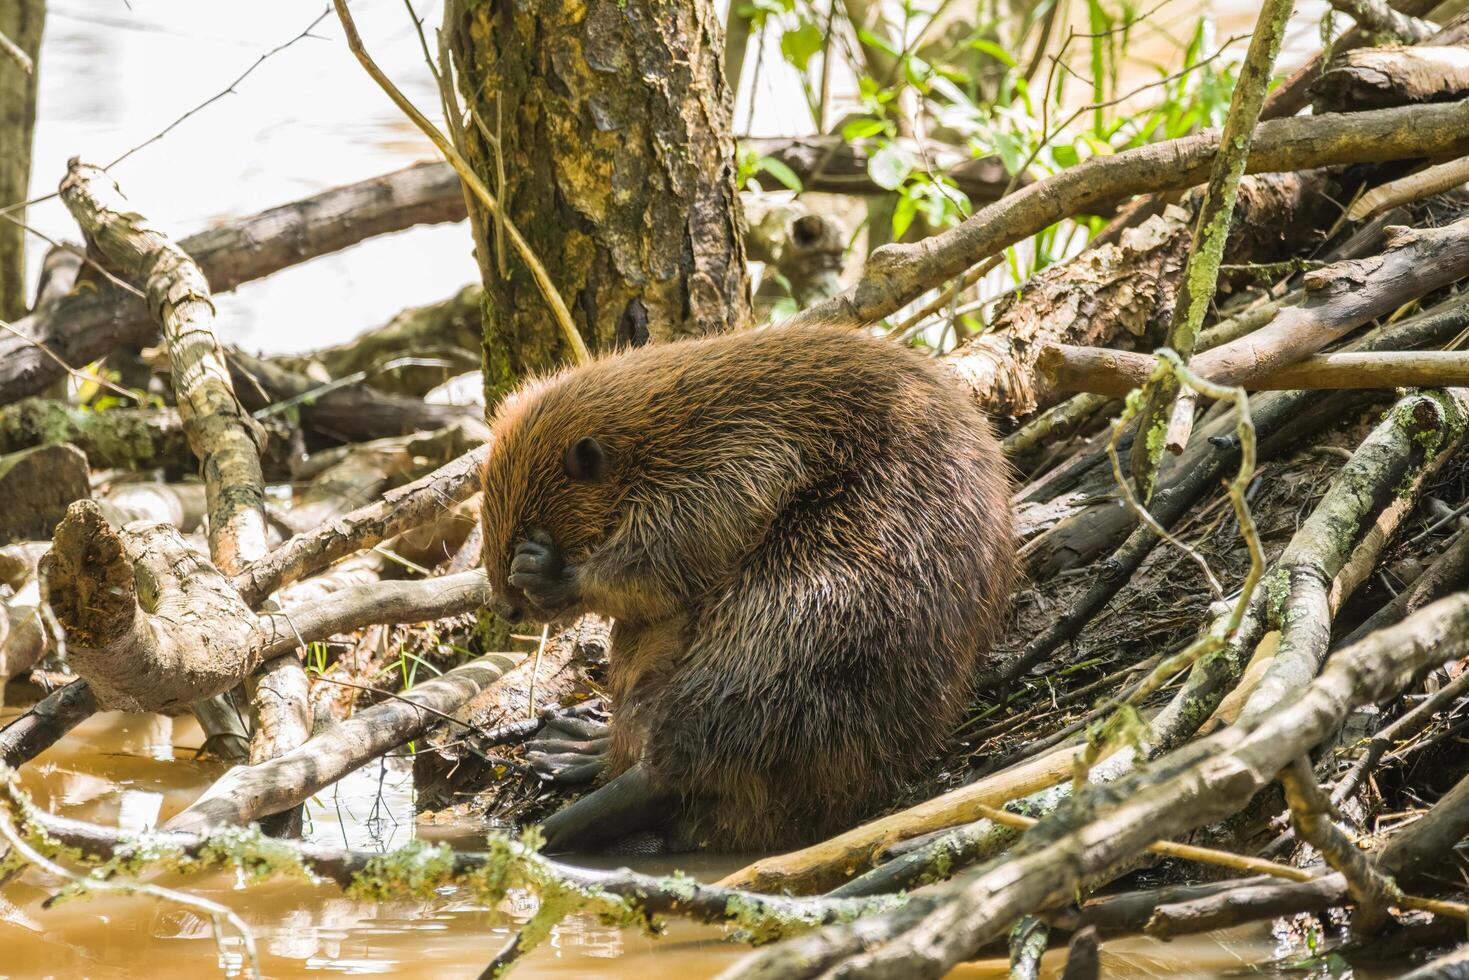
(16, 54)
(216, 912)
(573, 338)
(74, 372)
(227, 90)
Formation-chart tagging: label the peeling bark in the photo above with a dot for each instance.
(1374, 78)
(1122, 291)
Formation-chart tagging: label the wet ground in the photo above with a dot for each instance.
(136, 770)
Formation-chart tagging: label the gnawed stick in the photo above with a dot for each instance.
(1112, 373)
(153, 626)
(248, 793)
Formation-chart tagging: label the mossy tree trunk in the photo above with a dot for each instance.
(20, 21)
(612, 119)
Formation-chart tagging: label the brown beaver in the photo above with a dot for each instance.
(804, 538)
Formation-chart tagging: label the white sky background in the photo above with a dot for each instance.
(113, 74)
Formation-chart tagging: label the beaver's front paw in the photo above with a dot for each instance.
(539, 570)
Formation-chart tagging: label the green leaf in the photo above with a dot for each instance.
(993, 50)
(1012, 154)
(861, 129)
(799, 45)
(889, 166)
(781, 172)
(1065, 155)
(903, 214)
(872, 40)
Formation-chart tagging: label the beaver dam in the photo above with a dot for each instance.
(1017, 525)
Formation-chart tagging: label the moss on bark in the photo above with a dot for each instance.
(612, 121)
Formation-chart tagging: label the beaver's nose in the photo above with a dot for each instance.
(506, 608)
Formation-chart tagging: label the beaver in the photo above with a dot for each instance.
(803, 536)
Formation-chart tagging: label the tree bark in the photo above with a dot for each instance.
(611, 124)
(22, 21)
(1374, 78)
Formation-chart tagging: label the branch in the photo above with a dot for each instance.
(406, 507)
(16, 54)
(92, 322)
(1310, 812)
(420, 869)
(898, 274)
(1114, 373)
(1160, 398)
(247, 793)
(222, 436)
(1434, 180)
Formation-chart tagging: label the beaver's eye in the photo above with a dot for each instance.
(585, 461)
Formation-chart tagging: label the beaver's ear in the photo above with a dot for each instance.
(585, 461)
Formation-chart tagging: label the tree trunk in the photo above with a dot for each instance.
(21, 21)
(613, 131)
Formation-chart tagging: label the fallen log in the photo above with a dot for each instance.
(122, 438)
(126, 438)
(1374, 78)
(152, 626)
(95, 320)
(350, 413)
(36, 486)
(898, 274)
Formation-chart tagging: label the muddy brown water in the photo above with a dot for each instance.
(137, 770)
